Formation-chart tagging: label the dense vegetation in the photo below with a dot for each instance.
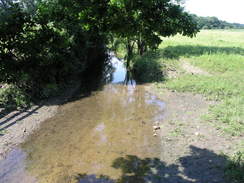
(44, 43)
(215, 23)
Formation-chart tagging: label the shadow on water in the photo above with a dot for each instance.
(112, 70)
(175, 52)
(97, 75)
(201, 166)
(107, 138)
(147, 69)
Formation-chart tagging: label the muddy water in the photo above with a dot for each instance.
(96, 139)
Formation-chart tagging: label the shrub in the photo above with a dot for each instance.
(235, 168)
(13, 97)
(148, 68)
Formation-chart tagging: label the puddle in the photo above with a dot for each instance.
(91, 138)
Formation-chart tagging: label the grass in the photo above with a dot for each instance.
(221, 53)
(235, 167)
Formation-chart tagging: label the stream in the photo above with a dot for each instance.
(105, 137)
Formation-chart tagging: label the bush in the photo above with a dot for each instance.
(235, 168)
(148, 68)
(41, 52)
(12, 97)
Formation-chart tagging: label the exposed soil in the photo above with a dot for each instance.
(190, 143)
(192, 69)
(190, 148)
(16, 126)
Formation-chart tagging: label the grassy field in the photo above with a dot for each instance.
(221, 54)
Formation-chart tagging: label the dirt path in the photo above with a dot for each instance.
(16, 126)
(191, 148)
(186, 66)
(190, 144)
(195, 147)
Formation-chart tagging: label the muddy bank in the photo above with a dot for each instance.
(108, 137)
(188, 141)
(88, 136)
(16, 126)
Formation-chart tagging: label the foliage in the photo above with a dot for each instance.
(46, 43)
(147, 21)
(235, 168)
(12, 97)
(215, 23)
(148, 68)
(47, 46)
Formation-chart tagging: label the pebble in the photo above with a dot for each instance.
(197, 133)
(156, 127)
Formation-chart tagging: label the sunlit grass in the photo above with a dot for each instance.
(221, 53)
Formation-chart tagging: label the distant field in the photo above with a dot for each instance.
(221, 53)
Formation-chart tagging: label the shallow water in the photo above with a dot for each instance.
(99, 138)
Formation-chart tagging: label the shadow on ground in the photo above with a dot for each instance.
(92, 80)
(175, 52)
(200, 166)
(152, 68)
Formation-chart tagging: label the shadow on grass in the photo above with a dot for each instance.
(201, 166)
(174, 52)
(151, 67)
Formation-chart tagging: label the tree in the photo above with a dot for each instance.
(43, 42)
(215, 23)
(142, 23)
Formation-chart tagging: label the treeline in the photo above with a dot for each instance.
(215, 23)
(44, 43)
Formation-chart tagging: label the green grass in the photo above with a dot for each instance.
(221, 53)
(235, 167)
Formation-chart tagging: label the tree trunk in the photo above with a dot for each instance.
(142, 48)
(129, 48)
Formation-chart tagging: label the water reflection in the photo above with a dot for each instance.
(12, 169)
(89, 134)
(121, 75)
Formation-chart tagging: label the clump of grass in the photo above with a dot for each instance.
(228, 115)
(176, 132)
(234, 170)
(228, 89)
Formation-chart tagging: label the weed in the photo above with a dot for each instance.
(235, 167)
